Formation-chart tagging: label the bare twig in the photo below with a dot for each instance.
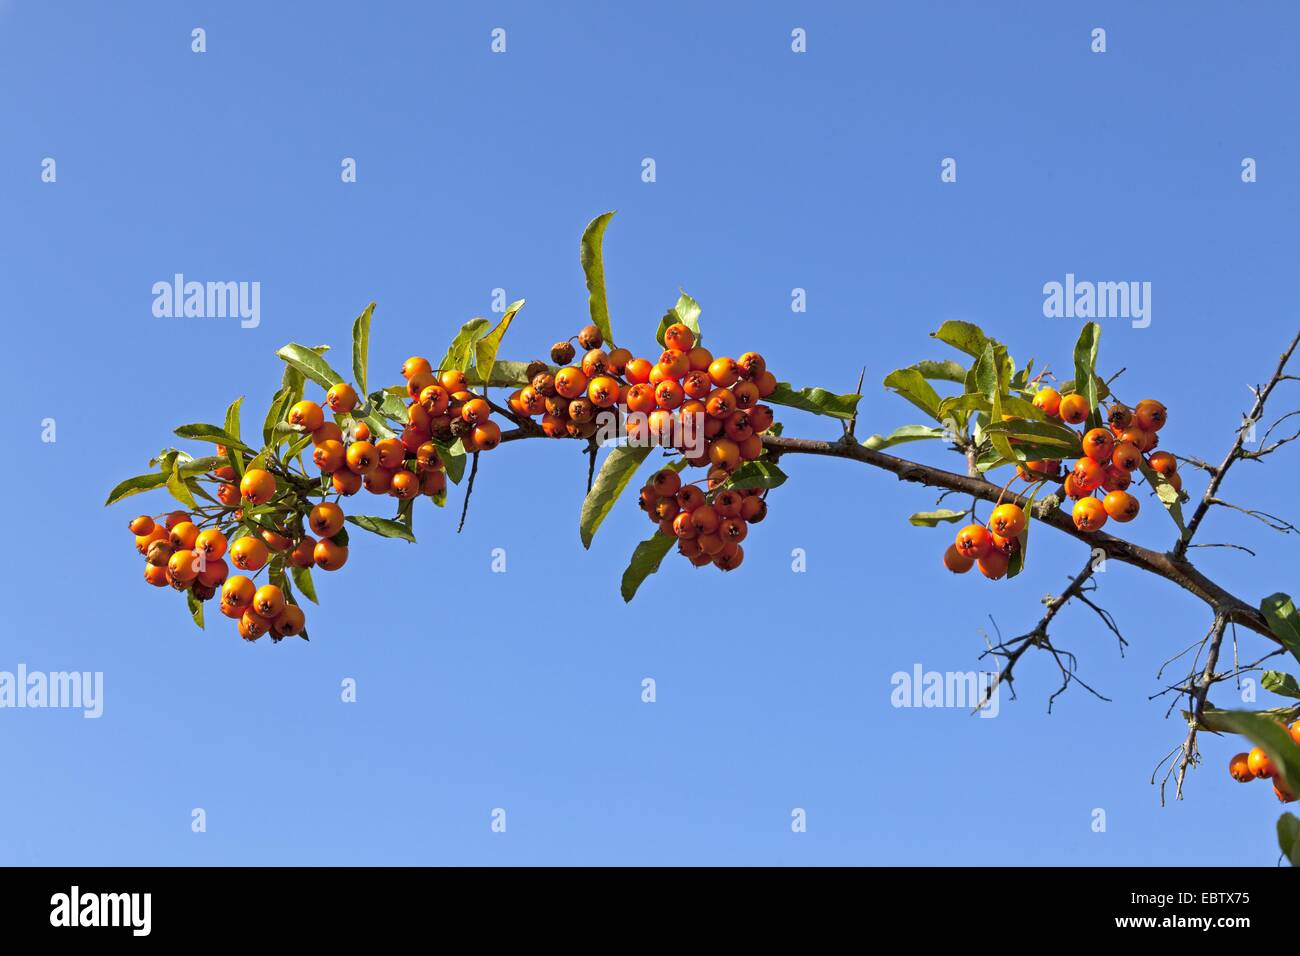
(469, 490)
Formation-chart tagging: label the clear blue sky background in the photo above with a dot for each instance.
(522, 690)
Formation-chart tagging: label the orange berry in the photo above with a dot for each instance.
(289, 622)
(238, 592)
(1048, 401)
(476, 411)
(182, 566)
(1163, 463)
(390, 453)
(326, 519)
(724, 372)
(1294, 731)
(1117, 479)
(1121, 506)
(301, 555)
(1259, 763)
(570, 382)
(974, 541)
(341, 398)
(329, 456)
(346, 482)
(1126, 456)
(175, 518)
(307, 414)
(680, 337)
(330, 556)
(257, 485)
(249, 554)
(454, 381)
(1239, 768)
(252, 625)
(1099, 445)
(327, 432)
(994, 564)
(141, 525)
(1149, 415)
(268, 601)
(669, 395)
(1007, 521)
(1074, 409)
(724, 453)
(956, 562)
(214, 572)
(155, 575)
(1088, 474)
(211, 543)
(415, 365)
(362, 457)
(184, 535)
(1089, 514)
(637, 371)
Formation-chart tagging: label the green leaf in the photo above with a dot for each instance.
(1169, 496)
(361, 347)
(461, 349)
(904, 434)
(1064, 439)
(591, 252)
(1264, 731)
(486, 348)
(945, 371)
(931, 519)
(388, 405)
(453, 460)
(232, 417)
(204, 432)
(133, 486)
(1085, 369)
(912, 385)
(815, 400)
(386, 527)
(1288, 837)
(378, 427)
(505, 374)
(179, 490)
(302, 578)
(615, 472)
(309, 362)
(645, 562)
(687, 312)
(966, 336)
(1280, 613)
(756, 474)
(1284, 685)
(196, 608)
(277, 412)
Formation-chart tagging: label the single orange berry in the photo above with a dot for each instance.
(1099, 445)
(330, 556)
(141, 525)
(329, 456)
(1126, 456)
(307, 414)
(1048, 401)
(680, 337)
(249, 554)
(415, 365)
(289, 622)
(956, 562)
(1074, 409)
(211, 543)
(362, 457)
(1239, 768)
(341, 398)
(1260, 764)
(1121, 506)
(257, 485)
(994, 564)
(326, 519)
(1149, 415)
(974, 541)
(182, 566)
(1088, 514)
(1007, 521)
(487, 436)
(724, 372)
(1163, 463)
(184, 535)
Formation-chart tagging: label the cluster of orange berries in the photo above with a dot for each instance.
(686, 389)
(992, 547)
(401, 467)
(1245, 767)
(709, 526)
(1110, 456)
(181, 556)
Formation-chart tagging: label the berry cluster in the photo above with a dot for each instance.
(1245, 767)
(180, 554)
(1110, 456)
(687, 392)
(708, 526)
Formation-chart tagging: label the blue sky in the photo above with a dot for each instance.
(476, 170)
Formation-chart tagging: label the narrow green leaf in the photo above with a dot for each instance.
(204, 432)
(276, 412)
(196, 608)
(912, 385)
(461, 349)
(931, 519)
(386, 527)
(1277, 682)
(309, 362)
(1064, 439)
(756, 474)
(904, 434)
(945, 371)
(232, 417)
(1266, 732)
(1168, 495)
(361, 347)
(505, 374)
(1283, 621)
(966, 336)
(133, 486)
(486, 348)
(647, 557)
(591, 252)
(615, 472)
(453, 460)
(815, 400)
(302, 578)
(1085, 369)
(179, 490)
